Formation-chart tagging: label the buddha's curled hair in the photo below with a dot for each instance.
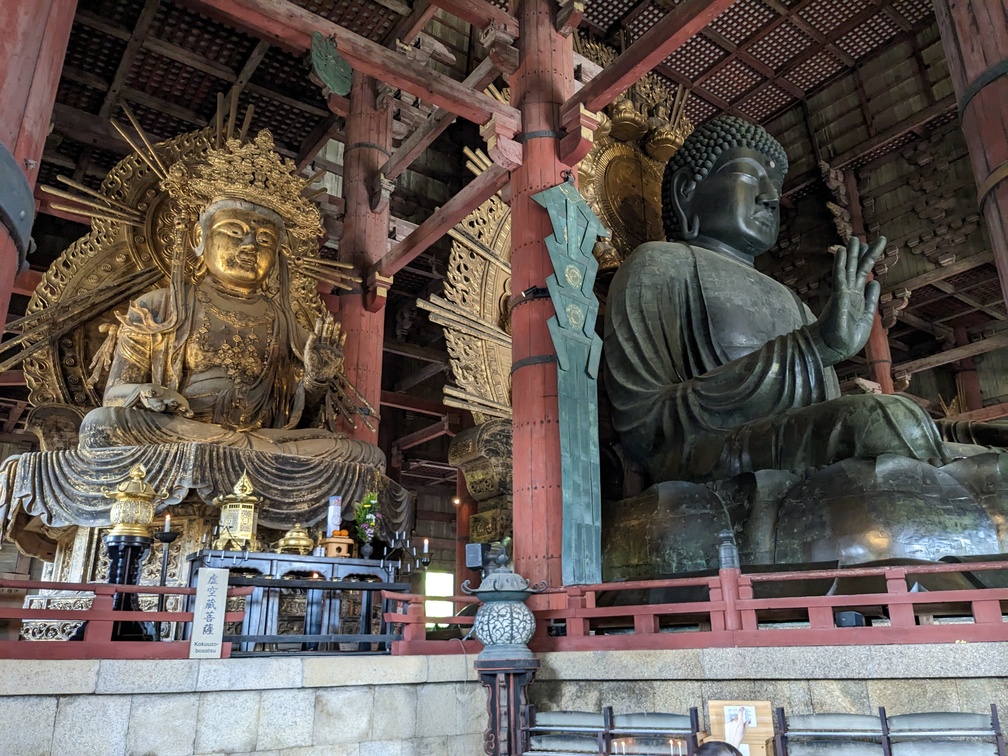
(701, 150)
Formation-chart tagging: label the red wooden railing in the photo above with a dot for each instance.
(730, 614)
(97, 642)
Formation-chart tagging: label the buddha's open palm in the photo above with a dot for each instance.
(323, 354)
(846, 321)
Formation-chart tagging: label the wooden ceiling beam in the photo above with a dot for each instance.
(409, 27)
(409, 403)
(419, 376)
(435, 125)
(291, 26)
(480, 14)
(415, 352)
(476, 192)
(940, 273)
(443, 427)
(998, 341)
(133, 46)
(984, 414)
(941, 332)
(249, 69)
(652, 47)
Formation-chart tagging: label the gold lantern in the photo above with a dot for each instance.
(133, 509)
(238, 517)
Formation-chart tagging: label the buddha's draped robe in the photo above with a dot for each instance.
(711, 371)
(251, 401)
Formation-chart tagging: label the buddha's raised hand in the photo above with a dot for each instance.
(843, 327)
(323, 354)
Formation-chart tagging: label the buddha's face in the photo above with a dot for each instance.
(241, 247)
(737, 203)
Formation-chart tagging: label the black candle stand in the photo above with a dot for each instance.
(126, 554)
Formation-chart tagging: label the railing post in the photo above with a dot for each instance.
(100, 631)
(729, 579)
(716, 595)
(576, 599)
(413, 626)
(745, 593)
(899, 614)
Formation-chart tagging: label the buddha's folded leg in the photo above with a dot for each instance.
(118, 426)
(311, 442)
(865, 426)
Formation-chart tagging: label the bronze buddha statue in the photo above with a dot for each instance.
(721, 380)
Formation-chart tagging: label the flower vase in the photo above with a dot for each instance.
(366, 550)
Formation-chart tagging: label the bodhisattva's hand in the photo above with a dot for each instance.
(843, 327)
(156, 398)
(323, 354)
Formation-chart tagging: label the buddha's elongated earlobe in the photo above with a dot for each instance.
(683, 187)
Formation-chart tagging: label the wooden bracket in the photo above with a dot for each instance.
(500, 48)
(384, 96)
(579, 123)
(377, 291)
(568, 17)
(502, 148)
(381, 190)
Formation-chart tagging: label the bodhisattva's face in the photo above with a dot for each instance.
(241, 248)
(738, 202)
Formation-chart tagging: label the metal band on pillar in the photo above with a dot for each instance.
(981, 81)
(996, 176)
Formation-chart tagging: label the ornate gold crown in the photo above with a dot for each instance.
(254, 172)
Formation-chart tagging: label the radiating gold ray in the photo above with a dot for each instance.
(143, 136)
(88, 190)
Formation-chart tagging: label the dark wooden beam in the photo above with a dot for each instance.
(941, 273)
(480, 14)
(431, 230)
(436, 125)
(419, 376)
(415, 352)
(251, 64)
(940, 332)
(409, 27)
(12, 378)
(660, 41)
(318, 139)
(442, 427)
(291, 27)
(136, 40)
(983, 346)
(409, 403)
(985, 414)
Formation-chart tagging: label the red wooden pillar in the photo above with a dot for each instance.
(966, 375)
(879, 356)
(877, 347)
(974, 34)
(35, 36)
(543, 81)
(465, 508)
(365, 239)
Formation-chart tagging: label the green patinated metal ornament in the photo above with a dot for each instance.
(575, 231)
(329, 65)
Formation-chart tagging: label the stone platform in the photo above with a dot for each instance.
(434, 705)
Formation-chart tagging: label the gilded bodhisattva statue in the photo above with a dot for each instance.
(722, 386)
(232, 366)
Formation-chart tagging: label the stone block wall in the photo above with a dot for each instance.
(294, 706)
(435, 706)
(852, 679)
